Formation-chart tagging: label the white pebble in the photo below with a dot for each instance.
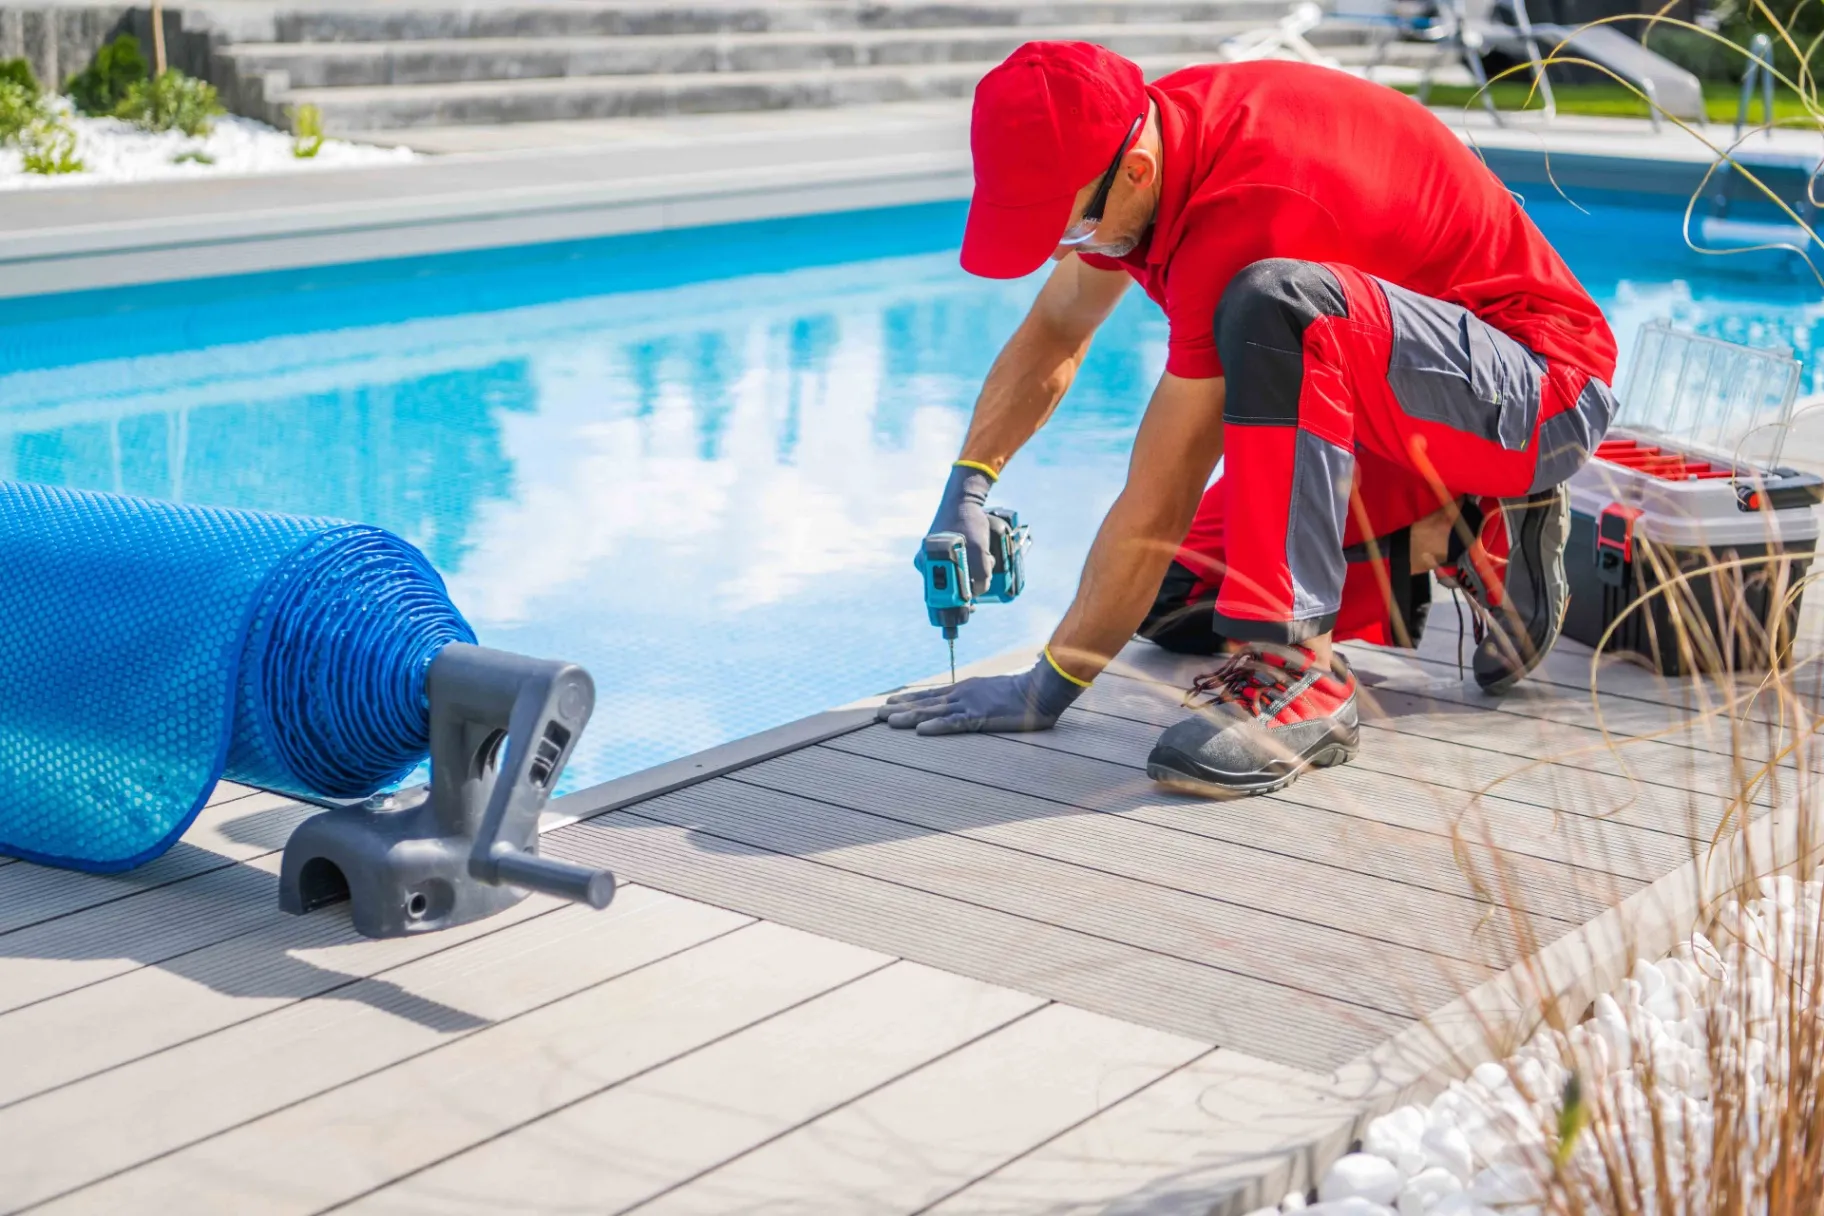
(1424, 1192)
(1490, 1076)
(1361, 1176)
(1447, 1148)
(1396, 1134)
(1293, 1202)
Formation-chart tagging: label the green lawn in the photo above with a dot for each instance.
(1611, 100)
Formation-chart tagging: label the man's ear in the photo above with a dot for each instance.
(1140, 168)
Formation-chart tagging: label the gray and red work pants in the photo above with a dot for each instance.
(1355, 408)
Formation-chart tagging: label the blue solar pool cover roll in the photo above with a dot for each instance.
(148, 649)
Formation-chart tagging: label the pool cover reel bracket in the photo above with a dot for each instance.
(465, 846)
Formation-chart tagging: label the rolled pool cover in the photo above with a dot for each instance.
(149, 649)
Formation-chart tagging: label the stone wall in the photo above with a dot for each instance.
(58, 40)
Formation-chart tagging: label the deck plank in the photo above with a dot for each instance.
(919, 1139)
(971, 939)
(1293, 954)
(1661, 752)
(155, 927)
(1304, 822)
(1225, 1127)
(615, 997)
(437, 988)
(223, 833)
(659, 1130)
(1459, 746)
(1422, 919)
(1410, 800)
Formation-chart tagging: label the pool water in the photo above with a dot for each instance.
(697, 463)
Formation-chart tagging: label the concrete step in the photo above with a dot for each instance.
(453, 60)
(378, 107)
(501, 101)
(395, 23)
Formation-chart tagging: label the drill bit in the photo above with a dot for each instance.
(952, 642)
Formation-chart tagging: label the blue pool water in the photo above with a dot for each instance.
(697, 463)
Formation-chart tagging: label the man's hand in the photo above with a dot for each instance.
(1029, 701)
(961, 511)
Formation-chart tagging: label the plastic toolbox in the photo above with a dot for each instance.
(1690, 542)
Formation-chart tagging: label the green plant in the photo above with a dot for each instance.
(19, 72)
(171, 101)
(100, 88)
(19, 109)
(306, 131)
(49, 147)
(193, 156)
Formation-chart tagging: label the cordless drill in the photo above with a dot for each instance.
(944, 563)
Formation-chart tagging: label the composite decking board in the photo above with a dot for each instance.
(1457, 778)
(1509, 725)
(1260, 1018)
(927, 1136)
(638, 1134)
(151, 929)
(1632, 702)
(540, 1045)
(1416, 917)
(1589, 842)
(141, 1013)
(1567, 667)
(223, 834)
(1292, 954)
(434, 993)
(1646, 737)
(1299, 822)
(1225, 1127)
(1485, 748)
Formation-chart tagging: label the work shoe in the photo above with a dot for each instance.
(1265, 716)
(1514, 576)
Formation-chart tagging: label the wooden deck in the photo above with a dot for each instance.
(869, 973)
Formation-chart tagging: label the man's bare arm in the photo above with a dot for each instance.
(1040, 360)
(1179, 442)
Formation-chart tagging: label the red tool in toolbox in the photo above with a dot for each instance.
(1688, 536)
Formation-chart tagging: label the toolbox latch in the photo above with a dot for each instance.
(1779, 490)
(1615, 542)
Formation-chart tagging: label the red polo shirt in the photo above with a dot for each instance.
(1285, 160)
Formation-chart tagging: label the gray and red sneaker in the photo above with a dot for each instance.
(1514, 576)
(1265, 716)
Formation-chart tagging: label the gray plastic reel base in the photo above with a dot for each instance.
(465, 846)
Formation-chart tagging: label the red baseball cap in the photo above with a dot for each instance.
(1046, 123)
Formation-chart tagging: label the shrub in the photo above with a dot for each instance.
(171, 101)
(100, 88)
(1699, 54)
(19, 109)
(306, 132)
(49, 145)
(19, 72)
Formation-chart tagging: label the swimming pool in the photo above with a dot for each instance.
(696, 462)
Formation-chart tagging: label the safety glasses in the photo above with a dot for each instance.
(1085, 227)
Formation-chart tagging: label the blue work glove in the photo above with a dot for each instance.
(1029, 701)
(961, 511)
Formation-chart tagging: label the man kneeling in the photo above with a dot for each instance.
(1363, 322)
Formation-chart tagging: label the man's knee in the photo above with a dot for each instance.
(1260, 334)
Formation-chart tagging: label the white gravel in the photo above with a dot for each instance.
(115, 151)
(1481, 1148)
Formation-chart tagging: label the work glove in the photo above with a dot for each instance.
(961, 511)
(1029, 701)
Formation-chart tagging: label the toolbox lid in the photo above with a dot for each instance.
(1732, 402)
